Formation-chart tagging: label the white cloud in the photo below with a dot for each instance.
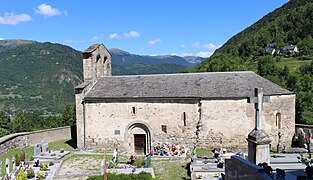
(12, 19)
(127, 35)
(182, 46)
(114, 36)
(96, 38)
(131, 34)
(73, 41)
(210, 46)
(154, 42)
(68, 40)
(200, 54)
(48, 11)
(196, 44)
(204, 54)
(1, 39)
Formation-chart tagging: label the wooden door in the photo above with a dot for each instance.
(140, 144)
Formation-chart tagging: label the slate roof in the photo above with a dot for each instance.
(192, 85)
(93, 47)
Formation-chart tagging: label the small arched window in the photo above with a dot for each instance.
(278, 120)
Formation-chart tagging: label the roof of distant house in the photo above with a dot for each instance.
(291, 47)
(192, 85)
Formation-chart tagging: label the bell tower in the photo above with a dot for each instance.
(96, 63)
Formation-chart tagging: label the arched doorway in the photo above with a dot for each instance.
(138, 136)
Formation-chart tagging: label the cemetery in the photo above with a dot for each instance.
(47, 161)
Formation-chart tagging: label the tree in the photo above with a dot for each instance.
(68, 116)
(22, 122)
(4, 132)
(4, 120)
(267, 66)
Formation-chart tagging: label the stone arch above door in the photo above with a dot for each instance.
(138, 137)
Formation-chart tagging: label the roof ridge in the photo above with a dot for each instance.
(184, 74)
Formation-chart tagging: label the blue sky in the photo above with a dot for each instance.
(141, 27)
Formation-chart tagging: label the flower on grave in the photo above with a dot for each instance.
(44, 167)
(53, 154)
(21, 175)
(30, 173)
(41, 176)
(61, 150)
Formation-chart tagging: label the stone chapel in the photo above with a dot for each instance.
(198, 109)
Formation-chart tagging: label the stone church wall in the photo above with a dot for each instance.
(229, 122)
(107, 122)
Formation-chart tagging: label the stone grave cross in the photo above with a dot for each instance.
(258, 100)
(258, 139)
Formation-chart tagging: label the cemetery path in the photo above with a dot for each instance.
(80, 167)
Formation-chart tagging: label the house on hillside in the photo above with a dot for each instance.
(272, 49)
(290, 50)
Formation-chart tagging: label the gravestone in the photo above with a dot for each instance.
(44, 145)
(301, 137)
(26, 158)
(13, 164)
(102, 167)
(37, 150)
(7, 166)
(115, 155)
(258, 140)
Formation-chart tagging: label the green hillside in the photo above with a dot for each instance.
(39, 77)
(290, 24)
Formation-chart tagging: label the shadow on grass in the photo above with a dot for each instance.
(72, 143)
(187, 167)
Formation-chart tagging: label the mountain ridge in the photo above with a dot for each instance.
(40, 76)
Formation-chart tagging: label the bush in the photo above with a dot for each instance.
(4, 132)
(44, 167)
(21, 175)
(30, 173)
(112, 176)
(22, 156)
(139, 162)
(17, 160)
(41, 176)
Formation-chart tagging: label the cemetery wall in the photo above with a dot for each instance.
(305, 128)
(239, 168)
(26, 139)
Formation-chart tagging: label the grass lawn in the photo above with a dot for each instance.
(56, 145)
(174, 169)
(292, 63)
(204, 152)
